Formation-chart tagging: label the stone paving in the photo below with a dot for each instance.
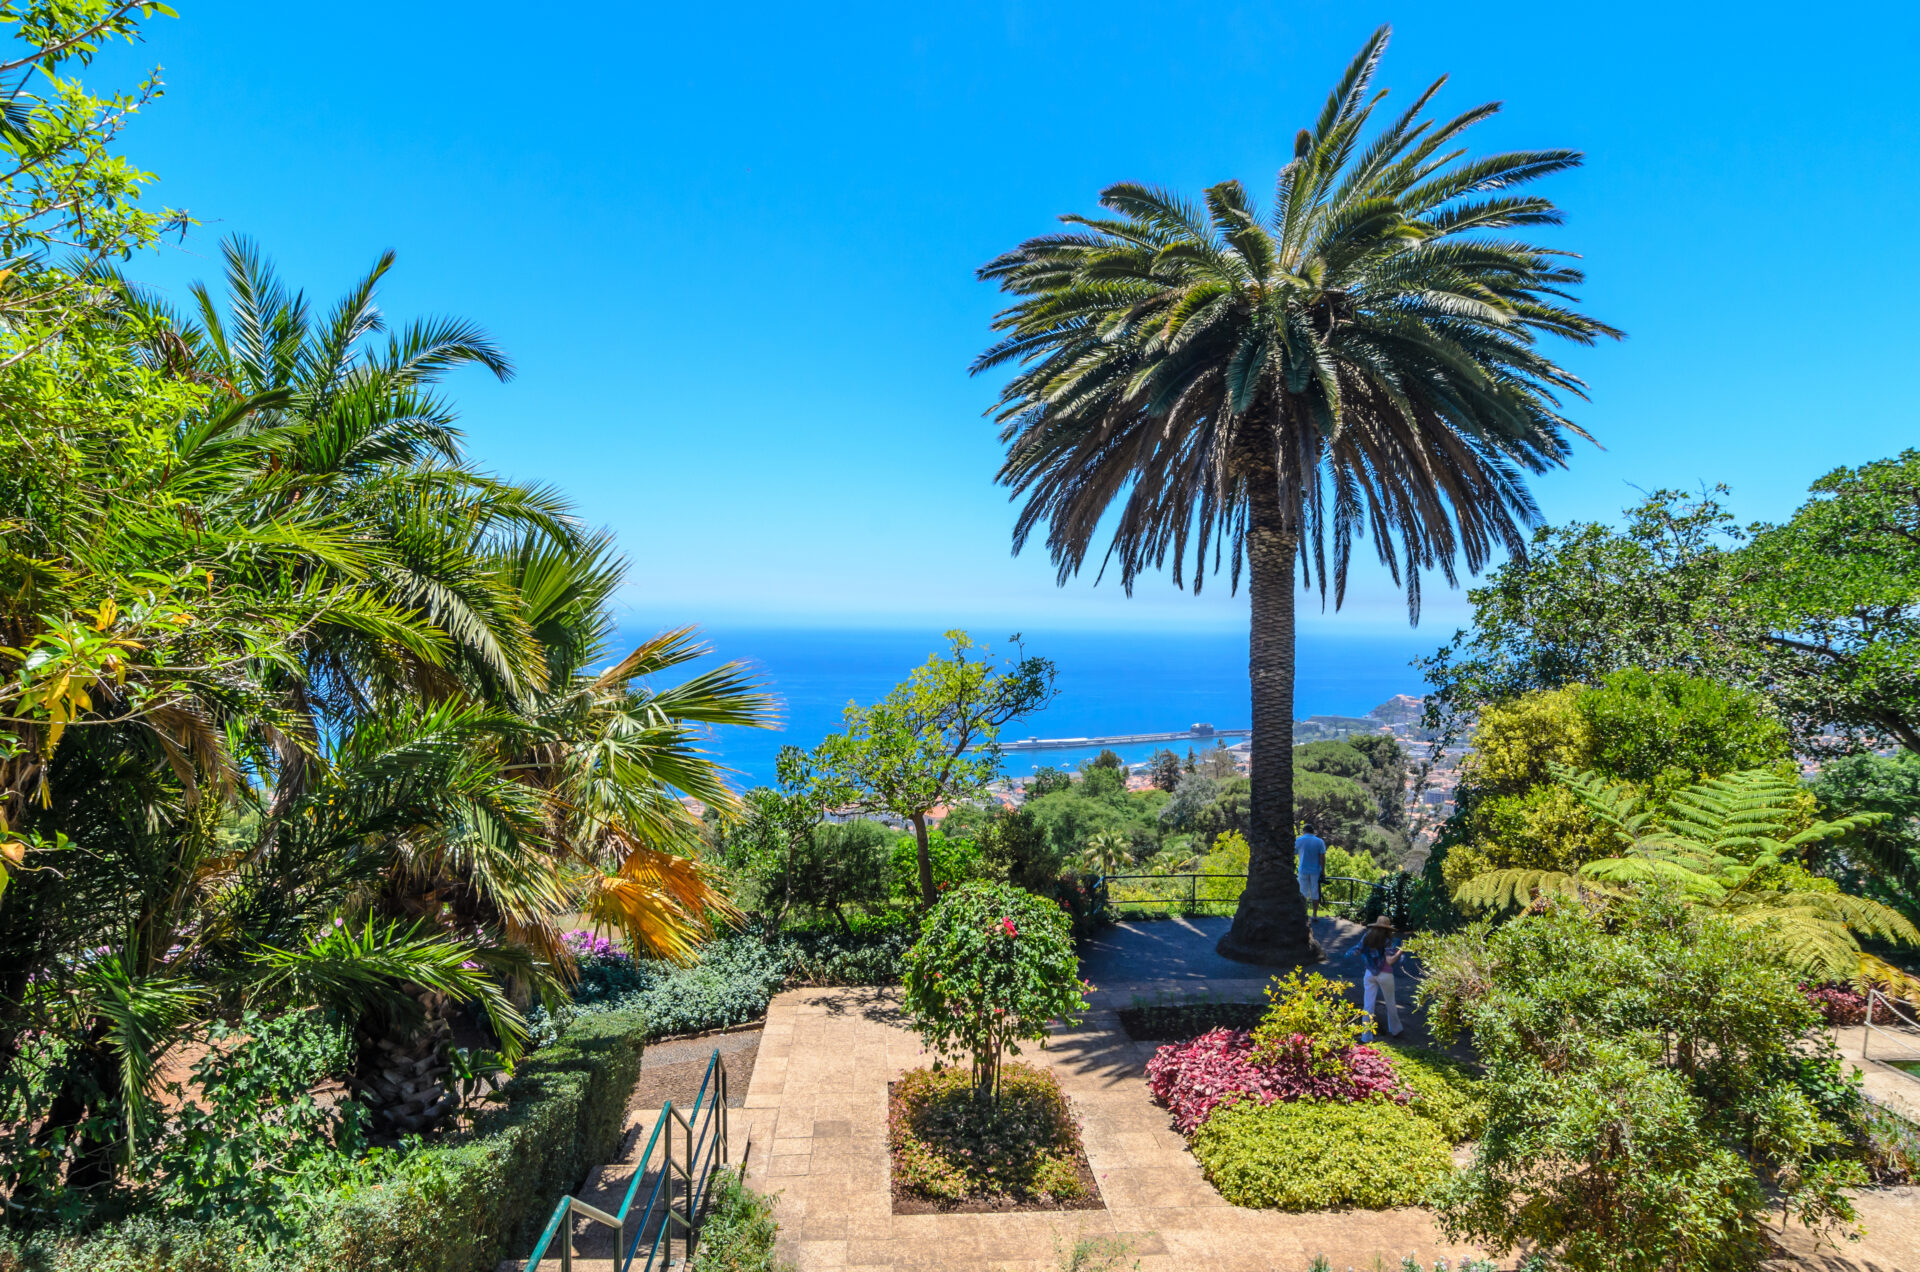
(815, 1121)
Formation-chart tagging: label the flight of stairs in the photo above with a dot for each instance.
(595, 1246)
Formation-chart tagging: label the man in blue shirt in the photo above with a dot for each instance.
(1310, 857)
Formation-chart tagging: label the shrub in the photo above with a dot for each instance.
(1444, 1091)
(738, 1232)
(1888, 1144)
(1309, 1025)
(993, 966)
(955, 861)
(730, 983)
(453, 1206)
(1647, 1086)
(252, 1125)
(1318, 1154)
(1837, 1003)
(948, 1145)
(1194, 1078)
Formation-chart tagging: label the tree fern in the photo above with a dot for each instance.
(1728, 843)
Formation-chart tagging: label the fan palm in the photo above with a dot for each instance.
(1363, 360)
(1107, 853)
(1728, 844)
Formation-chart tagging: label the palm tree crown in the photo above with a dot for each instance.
(1364, 359)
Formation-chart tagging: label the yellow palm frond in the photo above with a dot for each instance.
(663, 903)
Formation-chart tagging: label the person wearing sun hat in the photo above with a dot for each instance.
(1379, 954)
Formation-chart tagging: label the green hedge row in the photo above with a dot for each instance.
(461, 1206)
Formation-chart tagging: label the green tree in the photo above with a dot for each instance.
(1817, 614)
(1657, 731)
(1108, 853)
(993, 967)
(1015, 848)
(1883, 860)
(1164, 767)
(1101, 782)
(1046, 780)
(1366, 356)
(1651, 1073)
(1107, 759)
(933, 740)
(1737, 844)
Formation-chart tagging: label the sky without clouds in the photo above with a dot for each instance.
(731, 247)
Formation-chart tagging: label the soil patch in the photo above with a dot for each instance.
(672, 1070)
(1177, 1022)
(910, 1201)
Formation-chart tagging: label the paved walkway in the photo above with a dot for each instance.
(815, 1120)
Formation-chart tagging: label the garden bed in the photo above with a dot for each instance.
(951, 1156)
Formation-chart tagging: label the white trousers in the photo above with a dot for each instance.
(1379, 985)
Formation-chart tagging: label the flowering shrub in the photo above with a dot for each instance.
(949, 1146)
(1194, 1078)
(1837, 1002)
(994, 965)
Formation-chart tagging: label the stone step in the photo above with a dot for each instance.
(594, 1244)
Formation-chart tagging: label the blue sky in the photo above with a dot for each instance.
(731, 247)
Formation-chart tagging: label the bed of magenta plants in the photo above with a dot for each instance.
(1297, 1114)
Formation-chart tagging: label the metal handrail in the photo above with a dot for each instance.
(701, 1152)
(1875, 996)
(1192, 899)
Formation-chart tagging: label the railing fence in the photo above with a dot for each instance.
(703, 1148)
(1338, 893)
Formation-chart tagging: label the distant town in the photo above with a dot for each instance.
(1431, 777)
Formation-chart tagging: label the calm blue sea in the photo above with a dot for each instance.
(1110, 682)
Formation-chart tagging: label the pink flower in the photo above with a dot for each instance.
(1008, 925)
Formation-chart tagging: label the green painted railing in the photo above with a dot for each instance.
(1338, 893)
(703, 1147)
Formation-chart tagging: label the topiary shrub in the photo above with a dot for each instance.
(993, 967)
(1319, 1154)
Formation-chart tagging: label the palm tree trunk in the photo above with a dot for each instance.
(1270, 925)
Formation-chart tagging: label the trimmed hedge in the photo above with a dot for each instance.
(461, 1206)
(1317, 1154)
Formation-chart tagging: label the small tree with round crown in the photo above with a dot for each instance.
(993, 966)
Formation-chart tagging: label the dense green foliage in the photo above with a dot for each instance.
(734, 977)
(1737, 845)
(738, 1232)
(993, 967)
(1319, 1154)
(933, 740)
(300, 709)
(1445, 1092)
(1882, 861)
(948, 1145)
(1651, 1073)
(1817, 614)
(1652, 732)
(451, 1206)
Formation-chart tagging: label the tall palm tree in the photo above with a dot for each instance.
(1363, 360)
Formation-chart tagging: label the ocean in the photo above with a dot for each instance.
(1110, 682)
